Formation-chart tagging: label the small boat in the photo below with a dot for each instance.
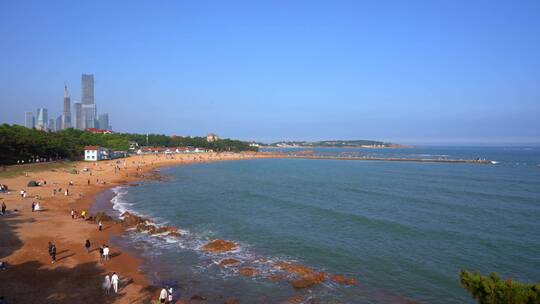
(493, 162)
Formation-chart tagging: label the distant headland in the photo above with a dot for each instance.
(362, 143)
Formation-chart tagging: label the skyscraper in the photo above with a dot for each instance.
(87, 88)
(104, 121)
(66, 116)
(41, 119)
(89, 115)
(52, 125)
(29, 120)
(78, 116)
(59, 122)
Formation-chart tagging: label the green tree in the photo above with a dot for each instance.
(493, 290)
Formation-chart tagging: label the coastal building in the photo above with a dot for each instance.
(94, 153)
(41, 119)
(133, 145)
(171, 150)
(66, 115)
(98, 131)
(78, 116)
(211, 137)
(103, 122)
(29, 120)
(97, 153)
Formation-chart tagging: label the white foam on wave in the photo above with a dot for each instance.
(152, 245)
(118, 201)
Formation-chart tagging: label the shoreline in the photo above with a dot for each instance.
(25, 234)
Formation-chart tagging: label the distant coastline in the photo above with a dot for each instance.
(355, 144)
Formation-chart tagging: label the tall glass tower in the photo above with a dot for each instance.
(66, 115)
(87, 88)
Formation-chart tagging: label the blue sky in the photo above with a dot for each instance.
(417, 72)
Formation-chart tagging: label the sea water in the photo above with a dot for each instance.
(403, 230)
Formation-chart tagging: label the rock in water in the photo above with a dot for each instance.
(227, 262)
(248, 271)
(344, 280)
(219, 246)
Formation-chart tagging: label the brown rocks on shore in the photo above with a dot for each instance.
(132, 220)
(302, 276)
(227, 262)
(248, 271)
(344, 280)
(219, 246)
(144, 225)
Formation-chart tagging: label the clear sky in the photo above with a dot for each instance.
(420, 72)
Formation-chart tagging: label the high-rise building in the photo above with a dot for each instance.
(41, 119)
(66, 116)
(87, 88)
(52, 125)
(78, 116)
(89, 115)
(29, 120)
(59, 122)
(104, 121)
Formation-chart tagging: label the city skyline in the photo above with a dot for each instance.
(86, 116)
(411, 73)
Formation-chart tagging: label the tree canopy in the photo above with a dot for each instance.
(493, 290)
(20, 143)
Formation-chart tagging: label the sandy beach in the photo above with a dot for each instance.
(76, 276)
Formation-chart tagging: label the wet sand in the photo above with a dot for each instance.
(76, 276)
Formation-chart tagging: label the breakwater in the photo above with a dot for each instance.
(397, 159)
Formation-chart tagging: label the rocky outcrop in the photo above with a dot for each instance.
(248, 271)
(309, 280)
(302, 276)
(132, 220)
(344, 280)
(227, 262)
(219, 246)
(143, 225)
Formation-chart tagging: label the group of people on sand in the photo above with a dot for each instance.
(59, 191)
(111, 281)
(165, 296)
(104, 252)
(36, 207)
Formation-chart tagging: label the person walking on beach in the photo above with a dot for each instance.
(105, 252)
(52, 252)
(170, 295)
(107, 284)
(33, 206)
(3, 208)
(101, 254)
(87, 246)
(163, 296)
(100, 226)
(72, 213)
(67, 192)
(50, 249)
(114, 281)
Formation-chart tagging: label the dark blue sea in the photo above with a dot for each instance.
(404, 230)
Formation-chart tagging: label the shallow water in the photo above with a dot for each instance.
(404, 230)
